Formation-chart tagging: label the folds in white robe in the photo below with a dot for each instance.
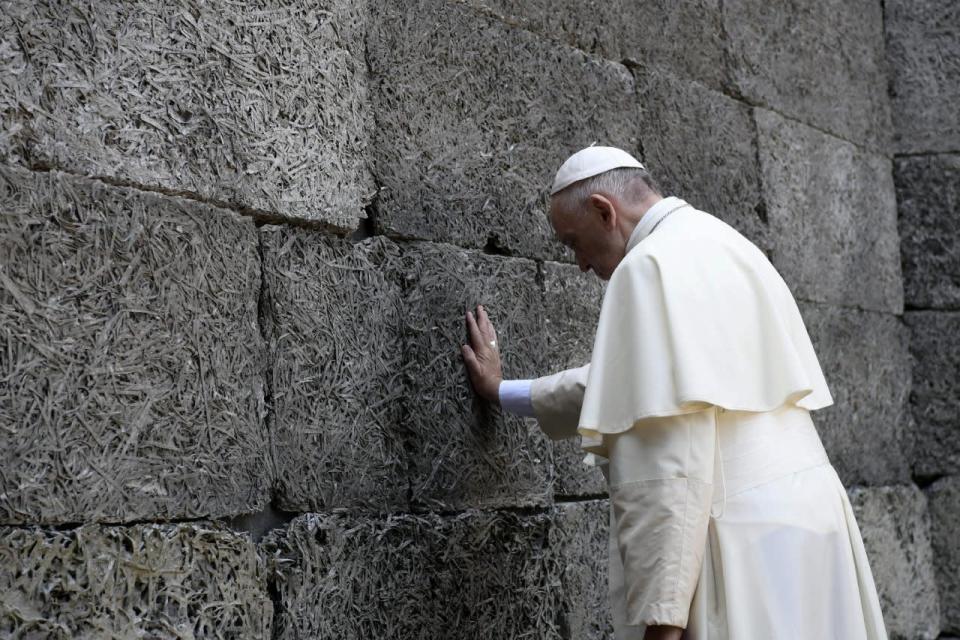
(735, 526)
(695, 316)
(727, 517)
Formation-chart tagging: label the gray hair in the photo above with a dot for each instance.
(628, 183)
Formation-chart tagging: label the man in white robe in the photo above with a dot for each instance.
(727, 519)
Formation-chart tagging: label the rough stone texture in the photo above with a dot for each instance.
(473, 119)
(820, 62)
(465, 452)
(580, 536)
(409, 577)
(944, 499)
(715, 170)
(923, 55)
(478, 574)
(144, 581)
(865, 359)
(132, 365)
(936, 391)
(572, 308)
(333, 316)
(340, 577)
(896, 533)
(630, 31)
(260, 104)
(833, 216)
(928, 194)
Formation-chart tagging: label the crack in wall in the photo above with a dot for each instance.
(260, 216)
(70, 526)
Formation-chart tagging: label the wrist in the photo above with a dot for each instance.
(494, 394)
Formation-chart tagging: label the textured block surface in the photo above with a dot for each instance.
(260, 104)
(478, 574)
(415, 577)
(923, 56)
(338, 577)
(820, 62)
(337, 370)
(833, 216)
(928, 196)
(465, 452)
(144, 581)
(132, 361)
(572, 308)
(944, 499)
(715, 170)
(895, 527)
(936, 390)
(865, 359)
(580, 537)
(473, 120)
(653, 33)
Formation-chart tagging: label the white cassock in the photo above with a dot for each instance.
(727, 517)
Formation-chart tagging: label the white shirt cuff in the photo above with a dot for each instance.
(515, 397)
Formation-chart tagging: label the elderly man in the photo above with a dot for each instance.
(727, 518)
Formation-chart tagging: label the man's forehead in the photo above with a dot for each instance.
(561, 210)
(557, 214)
(564, 224)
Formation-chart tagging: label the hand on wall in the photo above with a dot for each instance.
(482, 356)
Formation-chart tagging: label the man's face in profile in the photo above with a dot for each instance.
(590, 232)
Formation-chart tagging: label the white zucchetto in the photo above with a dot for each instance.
(590, 162)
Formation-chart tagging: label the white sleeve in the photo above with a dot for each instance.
(556, 401)
(515, 397)
(661, 490)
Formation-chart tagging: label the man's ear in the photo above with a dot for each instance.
(603, 206)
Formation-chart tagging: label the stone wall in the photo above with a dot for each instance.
(238, 240)
(923, 52)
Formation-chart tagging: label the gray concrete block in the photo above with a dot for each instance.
(895, 527)
(132, 359)
(414, 577)
(936, 391)
(473, 120)
(701, 145)
(819, 62)
(477, 574)
(339, 577)
(833, 216)
(260, 104)
(865, 359)
(580, 542)
(923, 57)
(192, 580)
(631, 31)
(944, 500)
(465, 452)
(336, 354)
(572, 307)
(928, 195)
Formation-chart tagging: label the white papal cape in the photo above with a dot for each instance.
(727, 518)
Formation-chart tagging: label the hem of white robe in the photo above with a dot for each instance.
(657, 615)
